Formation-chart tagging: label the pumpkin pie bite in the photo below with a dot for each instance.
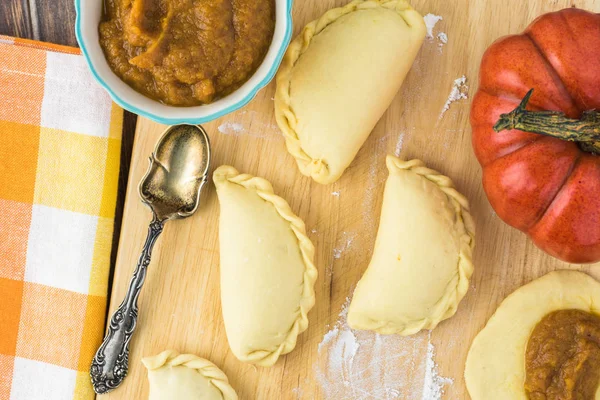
(542, 343)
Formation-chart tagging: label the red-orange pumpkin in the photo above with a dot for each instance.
(544, 186)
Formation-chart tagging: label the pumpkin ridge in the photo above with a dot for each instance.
(558, 80)
(560, 188)
(503, 96)
(543, 208)
(512, 151)
(573, 36)
(500, 95)
(485, 124)
(485, 90)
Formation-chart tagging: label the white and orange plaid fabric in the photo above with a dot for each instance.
(60, 140)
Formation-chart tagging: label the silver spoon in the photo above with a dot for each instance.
(171, 188)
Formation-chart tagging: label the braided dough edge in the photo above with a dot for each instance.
(207, 369)
(264, 189)
(448, 303)
(284, 114)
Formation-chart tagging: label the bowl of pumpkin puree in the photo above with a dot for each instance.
(183, 61)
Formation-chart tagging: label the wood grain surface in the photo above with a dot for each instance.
(15, 19)
(48, 21)
(180, 303)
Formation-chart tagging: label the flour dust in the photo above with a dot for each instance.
(341, 247)
(231, 128)
(256, 128)
(431, 21)
(361, 365)
(399, 144)
(458, 92)
(442, 37)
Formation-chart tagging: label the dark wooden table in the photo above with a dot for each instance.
(53, 21)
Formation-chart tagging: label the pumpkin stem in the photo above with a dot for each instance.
(585, 131)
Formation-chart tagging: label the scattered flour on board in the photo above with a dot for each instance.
(443, 37)
(459, 92)
(228, 128)
(298, 392)
(433, 384)
(345, 244)
(364, 365)
(431, 21)
(399, 144)
(257, 128)
(336, 193)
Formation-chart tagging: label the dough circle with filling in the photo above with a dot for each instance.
(496, 367)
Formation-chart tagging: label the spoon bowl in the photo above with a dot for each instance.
(178, 170)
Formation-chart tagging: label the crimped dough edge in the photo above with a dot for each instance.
(284, 114)
(264, 189)
(447, 305)
(207, 369)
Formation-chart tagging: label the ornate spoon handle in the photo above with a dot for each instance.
(110, 364)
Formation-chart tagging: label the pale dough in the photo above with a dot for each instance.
(421, 262)
(267, 270)
(495, 368)
(339, 76)
(186, 377)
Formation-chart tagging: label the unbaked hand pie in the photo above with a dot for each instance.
(267, 270)
(542, 343)
(421, 263)
(339, 76)
(186, 377)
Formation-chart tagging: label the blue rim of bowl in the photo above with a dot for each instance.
(199, 120)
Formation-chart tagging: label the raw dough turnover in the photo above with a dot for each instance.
(495, 368)
(186, 377)
(421, 263)
(267, 270)
(339, 76)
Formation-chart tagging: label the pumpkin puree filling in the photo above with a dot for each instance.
(186, 52)
(563, 357)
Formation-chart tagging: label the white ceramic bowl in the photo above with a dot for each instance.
(89, 13)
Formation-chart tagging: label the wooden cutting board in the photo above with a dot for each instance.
(180, 303)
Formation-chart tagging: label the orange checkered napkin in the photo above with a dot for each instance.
(60, 139)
